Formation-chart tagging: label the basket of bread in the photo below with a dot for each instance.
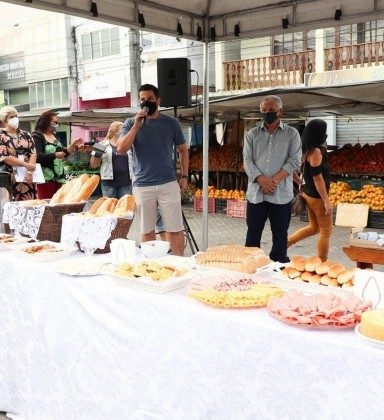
(123, 209)
(94, 230)
(70, 198)
(41, 219)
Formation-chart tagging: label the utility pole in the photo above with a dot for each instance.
(134, 66)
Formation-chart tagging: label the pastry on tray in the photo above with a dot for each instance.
(150, 269)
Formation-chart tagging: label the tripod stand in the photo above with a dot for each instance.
(189, 235)
(187, 230)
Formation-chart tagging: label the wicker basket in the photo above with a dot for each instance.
(121, 231)
(50, 227)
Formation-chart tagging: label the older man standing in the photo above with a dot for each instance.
(272, 153)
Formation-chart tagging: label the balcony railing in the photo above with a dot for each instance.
(352, 56)
(272, 71)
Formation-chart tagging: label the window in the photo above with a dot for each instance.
(288, 43)
(102, 43)
(86, 44)
(151, 40)
(49, 94)
(359, 33)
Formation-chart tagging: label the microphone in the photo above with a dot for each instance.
(144, 120)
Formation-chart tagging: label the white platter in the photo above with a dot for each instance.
(6, 246)
(374, 343)
(81, 266)
(303, 286)
(65, 251)
(149, 285)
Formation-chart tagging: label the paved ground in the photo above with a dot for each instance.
(223, 230)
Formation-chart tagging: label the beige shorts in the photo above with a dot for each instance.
(168, 198)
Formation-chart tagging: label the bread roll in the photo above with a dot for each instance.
(347, 285)
(315, 279)
(107, 206)
(333, 283)
(345, 276)
(239, 261)
(294, 273)
(96, 205)
(124, 205)
(335, 270)
(254, 262)
(73, 187)
(236, 248)
(325, 280)
(87, 189)
(306, 276)
(58, 197)
(285, 272)
(324, 267)
(312, 263)
(298, 264)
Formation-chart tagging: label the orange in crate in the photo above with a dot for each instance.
(198, 204)
(237, 208)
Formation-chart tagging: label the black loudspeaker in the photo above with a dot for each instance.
(174, 81)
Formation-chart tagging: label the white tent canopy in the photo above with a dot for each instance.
(255, 17)
(215, 20)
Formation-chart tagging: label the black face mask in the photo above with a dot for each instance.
(269, 117)
(152, 106)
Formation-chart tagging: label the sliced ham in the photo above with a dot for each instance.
(318, 310)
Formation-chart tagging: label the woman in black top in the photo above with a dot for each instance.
(51, 154)
(315, 187)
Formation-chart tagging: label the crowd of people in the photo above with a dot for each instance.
(137, 157)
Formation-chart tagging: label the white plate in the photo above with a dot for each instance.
(81, 266)
(374, 343)
(6, 246)
(64, 251)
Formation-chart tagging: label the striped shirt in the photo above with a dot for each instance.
(265, 154)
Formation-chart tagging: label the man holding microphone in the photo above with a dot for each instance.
(152, 136)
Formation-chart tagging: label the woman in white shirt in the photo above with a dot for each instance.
(114, 168)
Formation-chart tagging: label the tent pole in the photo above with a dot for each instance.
(205, 142)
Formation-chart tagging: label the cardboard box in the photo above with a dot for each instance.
(355, 216)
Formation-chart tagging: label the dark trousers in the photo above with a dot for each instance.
(279, 216)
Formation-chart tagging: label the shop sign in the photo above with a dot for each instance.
(12, 71)
(345, 77)
(106, 86)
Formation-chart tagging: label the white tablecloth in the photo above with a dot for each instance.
(86, 348)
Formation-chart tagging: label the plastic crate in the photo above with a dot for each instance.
(221, 205)
(198, 204)
(376, 219)
(237, 208)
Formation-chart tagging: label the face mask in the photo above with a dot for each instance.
(270, 117)
(152, 106)
(54, 126)
(14, 122)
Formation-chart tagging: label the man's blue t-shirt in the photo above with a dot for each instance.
(152, 150)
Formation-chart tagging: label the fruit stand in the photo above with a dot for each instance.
(225, 167)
